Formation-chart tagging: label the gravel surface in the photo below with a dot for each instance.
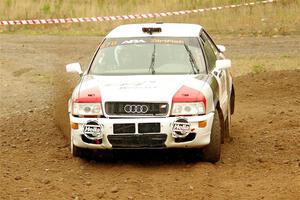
(262, 161)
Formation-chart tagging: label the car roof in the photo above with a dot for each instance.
(167, 30)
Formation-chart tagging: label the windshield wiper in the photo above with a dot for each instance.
(151, 68)
(192, 60)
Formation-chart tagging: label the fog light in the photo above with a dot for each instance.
(74, 125)
(202, 124)
(181, 128)
(93, 130)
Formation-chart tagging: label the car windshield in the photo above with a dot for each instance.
(150, 55)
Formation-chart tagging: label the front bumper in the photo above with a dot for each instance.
(200, 139)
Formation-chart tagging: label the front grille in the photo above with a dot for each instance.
(124, 128)
(138, 140)
(136, 108)
(149, 127)
(142, 128)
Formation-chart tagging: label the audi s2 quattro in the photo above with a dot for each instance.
(153, 86)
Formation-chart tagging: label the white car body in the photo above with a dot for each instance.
(147, 91)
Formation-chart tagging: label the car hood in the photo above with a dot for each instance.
(141, 88)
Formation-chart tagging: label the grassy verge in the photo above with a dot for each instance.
(279, 18)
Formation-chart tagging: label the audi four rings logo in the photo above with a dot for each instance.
(139, 109)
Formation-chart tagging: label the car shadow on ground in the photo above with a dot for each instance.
(144, 156)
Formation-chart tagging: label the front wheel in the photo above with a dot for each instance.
(76, 151)
(81, 152)
(212, 152)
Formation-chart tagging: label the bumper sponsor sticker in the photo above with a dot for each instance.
(181, 128)
(93, 130)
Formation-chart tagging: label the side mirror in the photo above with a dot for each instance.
(223, 64)
(221, 48)
(74, 68)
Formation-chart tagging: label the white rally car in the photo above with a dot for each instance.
(152, 86)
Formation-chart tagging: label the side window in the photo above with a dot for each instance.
(210, 50)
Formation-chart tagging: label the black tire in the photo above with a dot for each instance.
(76, 151)
(82, 152)
(232, 101)
(227, 124)
(226, 128)
(212, 152)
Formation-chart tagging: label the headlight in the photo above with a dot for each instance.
(87, 109)
(189, 108)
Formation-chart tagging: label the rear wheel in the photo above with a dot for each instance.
(212, 152)
(232, 101)
(227, 124)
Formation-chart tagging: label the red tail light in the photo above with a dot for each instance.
(187, 94)
(88, 95)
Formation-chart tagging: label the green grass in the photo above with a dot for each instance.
(281, 18)
(257, 68)
(46, 9)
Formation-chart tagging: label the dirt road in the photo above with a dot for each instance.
(261, 162)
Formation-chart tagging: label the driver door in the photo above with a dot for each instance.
(212, 54)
